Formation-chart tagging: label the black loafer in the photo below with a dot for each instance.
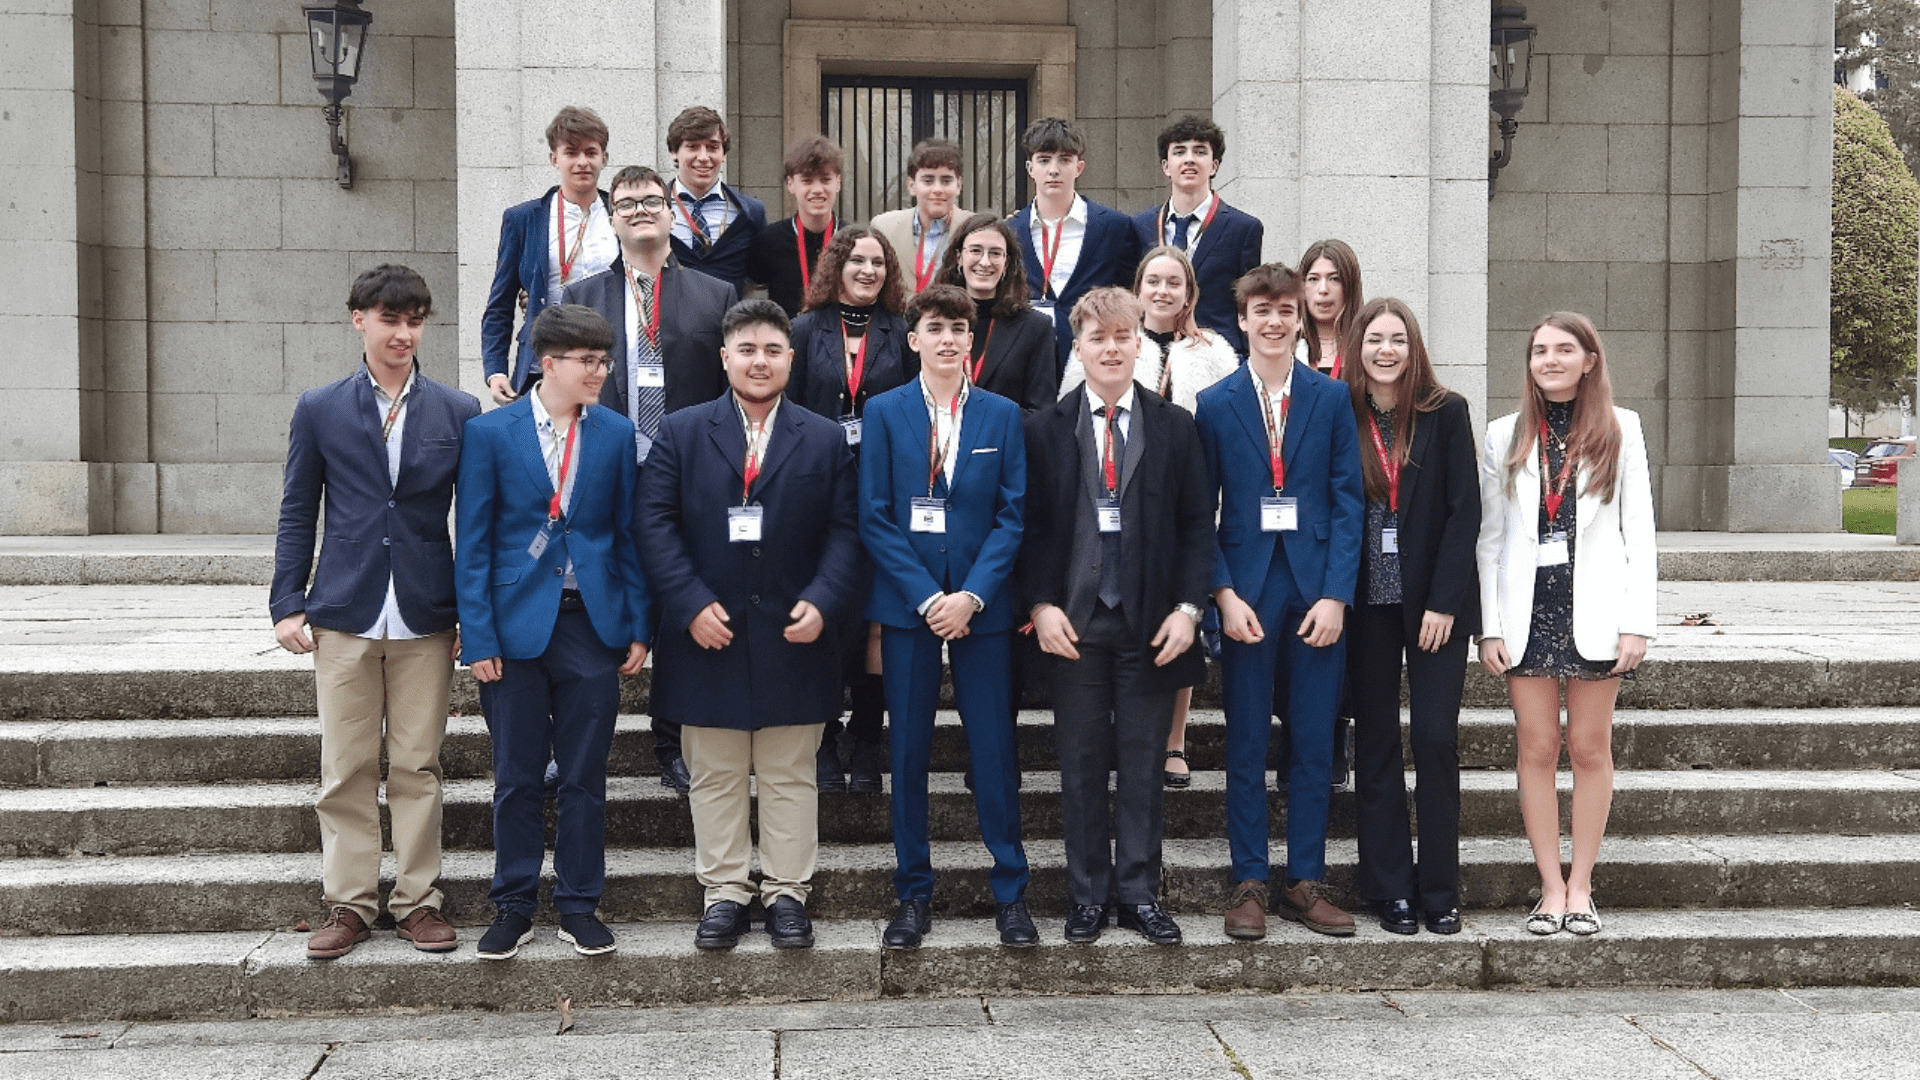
(788, 925)
(863, 768)
(1016, 926)
(1396, 917)
(721, 926)
(1443, 922)
(674, 775)
(911, 921)
(1085, 922)
(1152, 921)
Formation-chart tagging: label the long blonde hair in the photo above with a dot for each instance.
(1593, 440)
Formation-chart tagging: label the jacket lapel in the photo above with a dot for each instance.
(969, 437)
(1210, 235)
(1136, 441)
(589, 450)
(1410, 478)
(1299, 415)
(1078, 421)
(410, 435)
(1089, 243)
(1246, 392)
(989, 360)
(1023, 230)
(786, 433)
(1526, 488)
(724, 429)
(527, 438)
(368, 415)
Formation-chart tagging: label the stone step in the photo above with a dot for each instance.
(278, 817)
(73, 753)
(179, 893)
(159, 976)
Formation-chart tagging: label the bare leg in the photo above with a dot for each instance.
(1177, 738)
(1590, 748)
(1536, 710)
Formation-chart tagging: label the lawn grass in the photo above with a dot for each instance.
(1868, 510)
(1856, 444)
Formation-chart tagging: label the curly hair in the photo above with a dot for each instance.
(824, 287)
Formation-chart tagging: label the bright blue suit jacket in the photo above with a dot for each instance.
(1321, 452)
(1227, 249)
(510, 599)
(985, 507)
(521, 264)
(1108, 256)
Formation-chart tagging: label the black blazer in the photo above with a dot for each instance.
(1018, 364)
(691, 307)
(1439, 519)
(1169, 502)
(818, 382)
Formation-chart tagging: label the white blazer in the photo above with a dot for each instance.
(1197, 364)
(1615, 563)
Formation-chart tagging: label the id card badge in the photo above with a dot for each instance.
(851, 425)
(928, 515)
(1106, 514)
(540, 541)
(1279, 513)
(1553, 549)
(650, 375)
(1047, 308)
(1390, 540)
(743, 524)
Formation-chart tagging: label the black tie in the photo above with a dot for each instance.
(1180, 224)
(1110, 541)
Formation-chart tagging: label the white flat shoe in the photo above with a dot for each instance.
(1543, 922)
(1584, 923)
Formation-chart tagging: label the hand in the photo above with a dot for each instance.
(488, 670)
(709, 628)
(456, 646)
(291, 633)
(502, 390)
(1054, 631)
(1323, 623)
(636, 656)
(806, 625)
(1237, 619)
(1493, 655)
(1175, 637)
(1633, 649)
(1435, 630)
(950, 615)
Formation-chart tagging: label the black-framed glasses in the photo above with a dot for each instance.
(600, 362)
(652, 204)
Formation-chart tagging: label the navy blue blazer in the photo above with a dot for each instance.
(691, 307)
(1109, 254)
(1322, 455)
(985, 508)
(818, 381)
(1227, 249)
(510, 599)
(376, 531)
(521, 264)
(727, 258)
(809, 549)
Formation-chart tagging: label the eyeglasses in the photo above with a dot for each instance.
(984, 254)
(601, 363)
(652, 204)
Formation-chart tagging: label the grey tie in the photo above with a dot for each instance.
(645, 404)
(1110, 541)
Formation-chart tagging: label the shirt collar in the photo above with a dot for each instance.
(405, 388)
(1286, 385)
(1125, 404)
(718, 191)
(1199, 212)
(740, 410)
(926, 394)
(1077, 213)
(938, 228)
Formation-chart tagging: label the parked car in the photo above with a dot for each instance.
(1847, 460)
(1880, 465)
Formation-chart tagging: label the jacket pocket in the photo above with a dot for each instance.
(506, 577)
(1231, 535)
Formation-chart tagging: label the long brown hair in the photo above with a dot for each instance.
(1184, 325)
(1419, 388)
(1010, 296)
(1594, 437)
(824, 287)
(1347, 265)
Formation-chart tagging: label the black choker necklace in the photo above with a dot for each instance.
(856, 318)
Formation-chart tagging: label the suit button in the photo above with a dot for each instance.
(559, 571)
(391, 504)
(386, 541)
(943, 549)
(756, 551)
(754, 599)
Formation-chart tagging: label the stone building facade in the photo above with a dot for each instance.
(174, 252)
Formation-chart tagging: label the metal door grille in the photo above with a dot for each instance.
(876, 119)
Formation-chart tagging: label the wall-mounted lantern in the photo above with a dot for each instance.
(337, 33)
(1512, 66)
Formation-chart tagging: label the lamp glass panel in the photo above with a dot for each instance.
(322, 34)
(352, 36)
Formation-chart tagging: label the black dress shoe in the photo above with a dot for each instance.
(1085, 922)
(788, 925)
(828, 776)
(1397, 917)
(722, 925)
(911, 921)
(1016, 926)
(674, 775)
(1443, 922)
(1152, 921)
(863, 768)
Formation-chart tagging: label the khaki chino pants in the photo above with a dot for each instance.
(375, 693)
(782, 758)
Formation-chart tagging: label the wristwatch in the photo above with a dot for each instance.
(1191, 612)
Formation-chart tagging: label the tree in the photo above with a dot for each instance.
(1885, 35)
(1876, 261)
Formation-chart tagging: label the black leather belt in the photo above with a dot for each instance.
(570, 600)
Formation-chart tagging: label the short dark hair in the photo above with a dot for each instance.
(393, 287)
(758, 311)
(564, 327)
(1270, 281)
(1052, 135)
(813, 155)
(576, 126)
(1010, 297)
(1194, 129)
(934, 154)
(949, 301)
(696, 122)
(637, 176)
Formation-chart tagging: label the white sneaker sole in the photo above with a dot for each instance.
(584, 950)
(510, 953)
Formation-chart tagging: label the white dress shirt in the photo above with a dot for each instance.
(1124, 423)
(1194, 229)
(715, 209)
(388, 624)
(1071, 232)
(1275, 400)
(598, 248)
(945, 421)
(553, 444)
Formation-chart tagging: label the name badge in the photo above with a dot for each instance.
(928, 515)
(1553, 550)
(1390, 540)
(1047, 308)
(1279, 513)
(743, 524)
(851, 425)
(540, 541)
(650, 375)
(1106, 514)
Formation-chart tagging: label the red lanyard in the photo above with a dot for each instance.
(566, 457)
(1106, 454)
(751, 467)
(1390, 464)
(568, 258)
(1558, 492)
(1334, 372)
(698, 226)
(800, 244)
(937, 448)
(650, 318)
(1050, 250)
(923, 274)
(856, 366)
(980, 363)
(1275, 435)
(1193, 238)
(393, 413)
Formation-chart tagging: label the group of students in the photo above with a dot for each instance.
(1227, 456)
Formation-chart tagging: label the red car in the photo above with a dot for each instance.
(1879, 466)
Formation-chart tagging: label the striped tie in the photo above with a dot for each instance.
(646, 404)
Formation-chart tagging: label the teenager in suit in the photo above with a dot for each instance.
(546, 244)
(1113, 570)
(750, 522)
(1334, 297)
(1069, 244)
(1012, 352)
(553, 610)
(714, 223)
(942, 484)
(1282, 449)
(850, 346)
(1568, 571)
(381, 447)
(1419, 597)
(922, 234)
(1223, 243)
(785, 253)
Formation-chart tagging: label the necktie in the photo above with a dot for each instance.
(645, 404)
(697, 221)
(1180, 225)
(1110, 541)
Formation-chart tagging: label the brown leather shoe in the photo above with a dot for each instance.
(1307, 904)
(428, 930)
(342, 931)
(1247, 911)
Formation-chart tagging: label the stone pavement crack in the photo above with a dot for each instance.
(1783, 992)
(1233, 1059)
(324, 1055)
(1663, 1044)
(986, 1007)
(776, 1055)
